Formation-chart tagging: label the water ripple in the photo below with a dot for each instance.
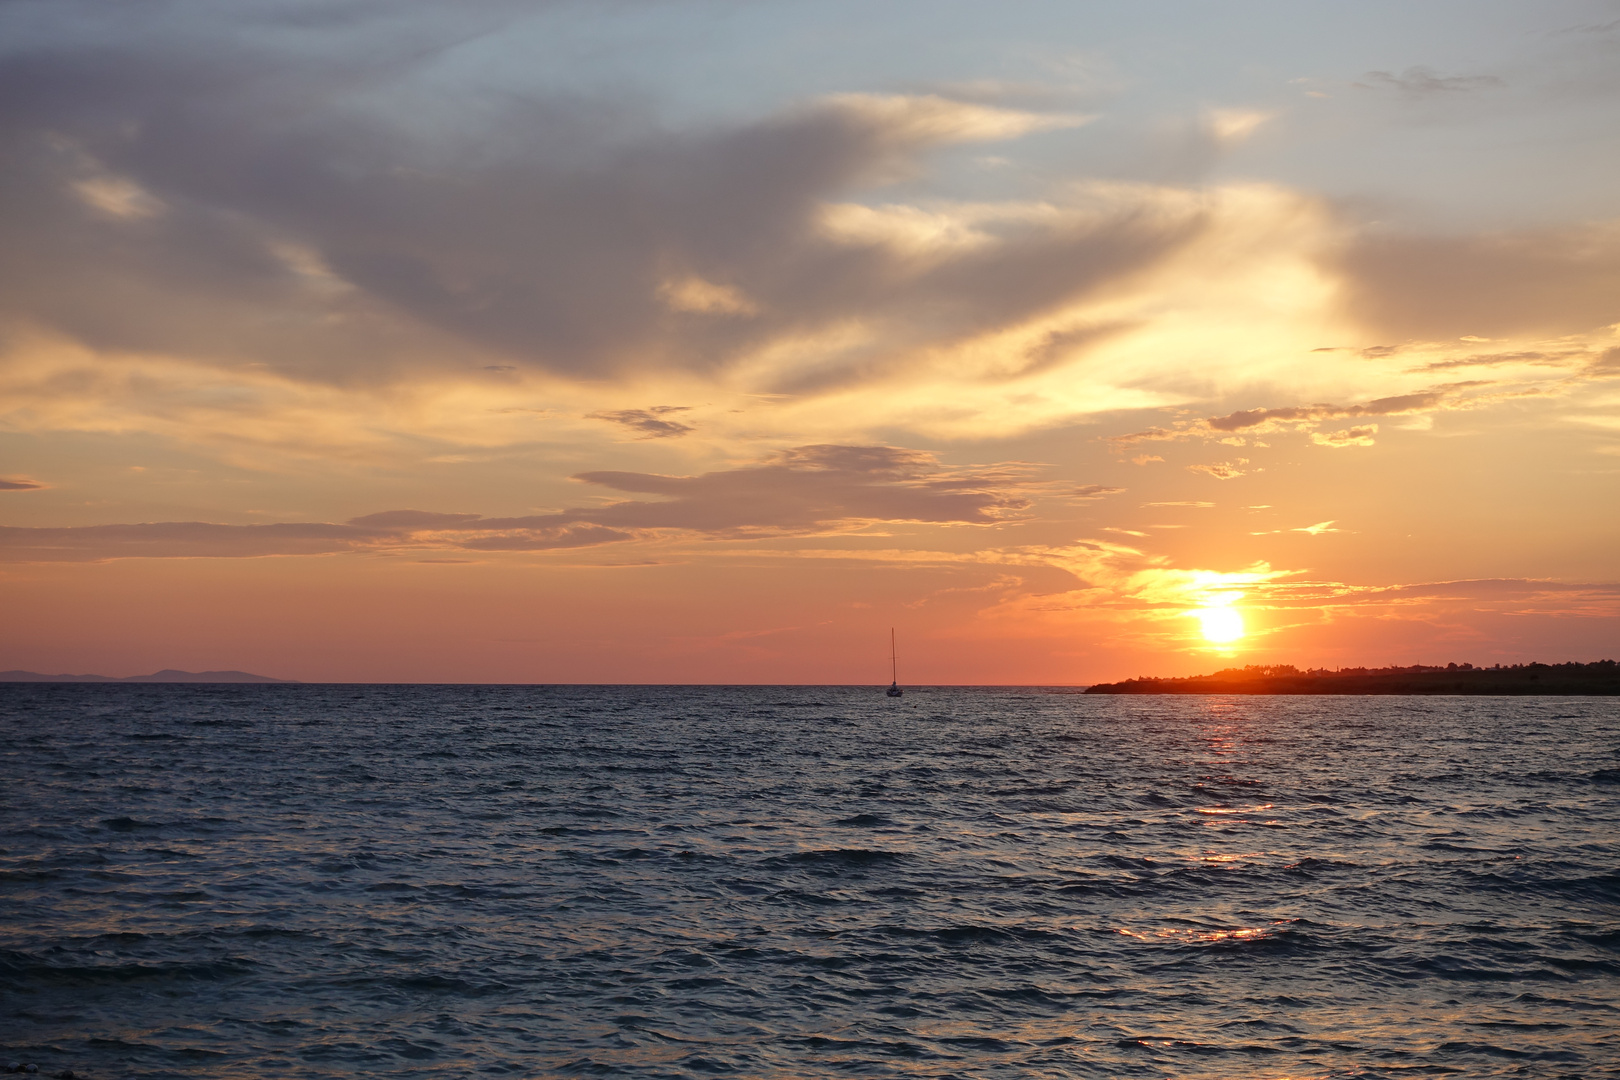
(305, 881)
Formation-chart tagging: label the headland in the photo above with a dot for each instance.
(167, 675)
(1599, 678)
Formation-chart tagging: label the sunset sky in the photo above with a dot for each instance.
(704, 342)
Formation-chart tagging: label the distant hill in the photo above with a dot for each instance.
(167, 675)
(1600, 678)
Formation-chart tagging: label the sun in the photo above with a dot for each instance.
(1221, 625)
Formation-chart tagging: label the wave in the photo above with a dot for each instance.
(835, 859)
(30, 970)
(864, 821)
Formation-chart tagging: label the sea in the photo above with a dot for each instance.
(792, 882)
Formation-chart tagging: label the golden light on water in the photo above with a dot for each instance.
(1221, 625)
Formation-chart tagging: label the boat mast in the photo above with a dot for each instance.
(894, 669)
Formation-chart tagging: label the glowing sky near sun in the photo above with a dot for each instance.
(707, 341)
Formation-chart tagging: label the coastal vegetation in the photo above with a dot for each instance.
(1599, 678)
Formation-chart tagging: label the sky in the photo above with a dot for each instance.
(706, 342)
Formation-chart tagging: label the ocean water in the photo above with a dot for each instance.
(325, 881)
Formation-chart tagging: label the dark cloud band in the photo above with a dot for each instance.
(808, 490)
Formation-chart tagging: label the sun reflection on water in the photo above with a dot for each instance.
(1231, 857)
(1245, 933)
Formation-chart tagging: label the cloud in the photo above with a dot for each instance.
(1121, 577)
(1094, 491)
(412, 519)
(20, 485)
(545, 538)
(650, 423)
(391, 530)
(1058, 347)
(1130, 595)
(117, 197)
(1235, 125)
(1042, 95)
(1356, 436)
(1313, 530)
(931, 119)
(813, 489)
(1590, 28)
(1419, 82)
(1226, 470)
(177, 539)
(798, 492)
(1491, 589)
(705, 297)
(1271, 419)
(228, 236)
(1550, 281)
(1497, 359)
(1152, 434)
(1575, 364)
(1606, 365)
(230, 204)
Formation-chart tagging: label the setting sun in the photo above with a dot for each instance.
(1221, 624)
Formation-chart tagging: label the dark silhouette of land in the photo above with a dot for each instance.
(167, 675)
(1602, 677)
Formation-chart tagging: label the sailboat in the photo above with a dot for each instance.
(894, 671)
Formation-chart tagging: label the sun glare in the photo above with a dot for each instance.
(1221, 625)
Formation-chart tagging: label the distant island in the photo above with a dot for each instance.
(167, 675)
(1600, 678)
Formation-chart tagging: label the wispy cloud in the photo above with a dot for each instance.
(1419, 82)
(1312, 530)
(1308, 419)
(1539, 359)
(1152, 434)
(1225, 470)
(653, 423)
(1270, 419)
(1356, 436)
(179, 539)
